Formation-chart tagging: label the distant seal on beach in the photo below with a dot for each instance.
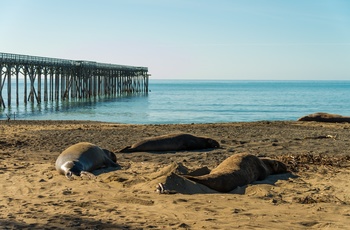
(325, 117)
(82, 158)
(172, 142)
(239, 170)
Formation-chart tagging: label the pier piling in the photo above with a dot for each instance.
(62, 79)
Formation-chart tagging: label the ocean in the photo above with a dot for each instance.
(198, 101)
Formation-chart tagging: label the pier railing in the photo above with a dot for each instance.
(62, 79)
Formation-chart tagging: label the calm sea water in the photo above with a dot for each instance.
(179, 101)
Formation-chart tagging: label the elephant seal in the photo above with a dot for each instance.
(325, 117)
(172, 142)
(82, 158)
(239, 170)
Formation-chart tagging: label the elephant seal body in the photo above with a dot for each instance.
(172, 142)
(239, 170)
(83, 158)
(325, 117)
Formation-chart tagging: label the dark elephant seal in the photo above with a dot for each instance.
(325, 117)
(83, 158)
(172, 142)
(239, 170)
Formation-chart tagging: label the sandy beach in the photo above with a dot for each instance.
(315, 194)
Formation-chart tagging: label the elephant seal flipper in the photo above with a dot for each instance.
(82, 158)
(88, 174)
(239, 170)
(127, 149)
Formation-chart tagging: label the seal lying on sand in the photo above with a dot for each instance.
(82, 158)
(325, 117)
(172, 142)
(239, 170)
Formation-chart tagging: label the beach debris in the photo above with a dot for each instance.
(331, 136)
(8, 116)
(319, 198)
(302, 161)
(323, 137)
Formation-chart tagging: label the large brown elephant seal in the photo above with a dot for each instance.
(325, 117)
(239, 170)
(172, 142)
(82, 158)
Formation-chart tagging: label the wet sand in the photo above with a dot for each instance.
(315, 194)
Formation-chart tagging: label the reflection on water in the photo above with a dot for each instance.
(102, 109)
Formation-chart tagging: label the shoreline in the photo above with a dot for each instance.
(35, 196)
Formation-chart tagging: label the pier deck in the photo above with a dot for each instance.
(53, 79)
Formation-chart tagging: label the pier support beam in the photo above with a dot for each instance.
(8, 85)
(63, 79)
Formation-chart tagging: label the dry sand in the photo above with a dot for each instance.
(316, 194)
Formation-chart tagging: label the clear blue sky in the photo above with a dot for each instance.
(188, 39)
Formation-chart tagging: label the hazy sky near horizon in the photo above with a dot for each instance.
(188, 39)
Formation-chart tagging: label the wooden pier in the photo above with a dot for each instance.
(52, 79)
